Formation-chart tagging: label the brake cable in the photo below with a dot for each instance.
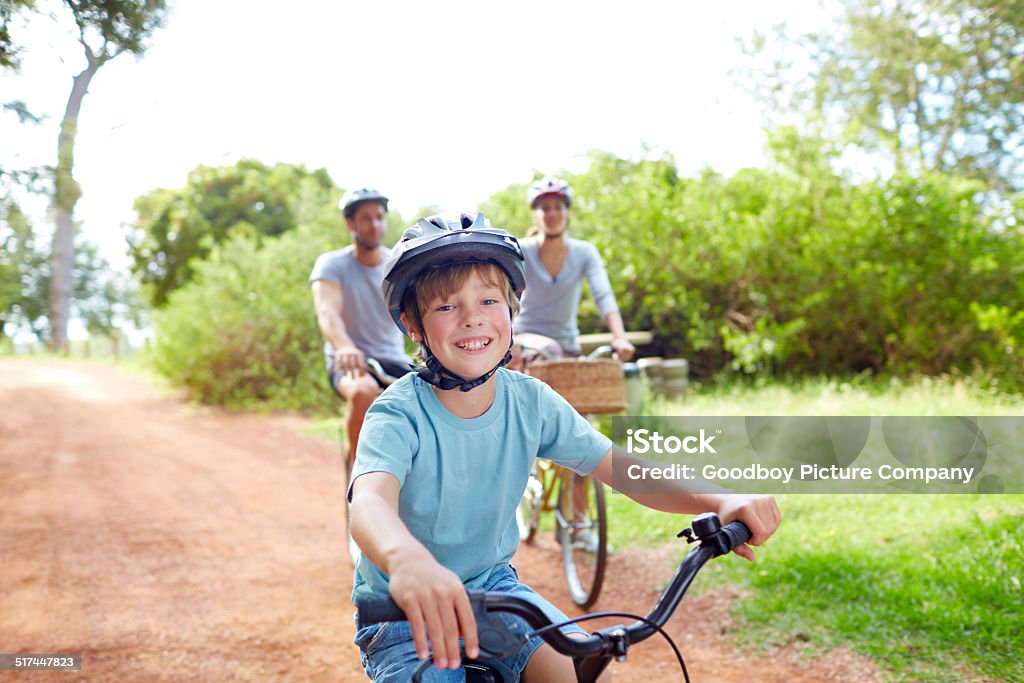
(620, 615)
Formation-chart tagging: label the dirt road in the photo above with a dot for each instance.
(164, 541)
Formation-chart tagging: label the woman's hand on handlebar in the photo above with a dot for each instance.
(436, 605)
(622, 349)
(759, 513)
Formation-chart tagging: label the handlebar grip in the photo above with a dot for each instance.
(376, 608)
(737, 534)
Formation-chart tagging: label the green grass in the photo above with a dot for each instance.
(930, 587)
(328, 428)
(920, 583)
(852, 396)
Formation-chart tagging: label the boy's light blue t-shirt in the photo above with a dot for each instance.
(462, 479)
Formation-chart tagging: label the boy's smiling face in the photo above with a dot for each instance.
(470, 330)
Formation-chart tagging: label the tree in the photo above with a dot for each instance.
(933, 85)
(106, 29)
(105, 300)
(22, 262)
(8, 49)
(176, 228)
(29, 178)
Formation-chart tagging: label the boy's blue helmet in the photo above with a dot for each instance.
(436, 241)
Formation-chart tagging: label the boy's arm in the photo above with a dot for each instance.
(759, 513)
(432, 597)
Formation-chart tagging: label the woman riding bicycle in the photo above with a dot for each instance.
(555, 267)
(447, 450)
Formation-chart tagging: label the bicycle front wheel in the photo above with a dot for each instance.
(583, 534)
(528, 512)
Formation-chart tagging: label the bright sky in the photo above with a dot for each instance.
(430, 102)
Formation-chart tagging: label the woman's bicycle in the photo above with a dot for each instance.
(591, 654)
(593, 385)
(581, 525)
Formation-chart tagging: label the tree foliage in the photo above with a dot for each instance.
(932, 85)
(22, 261)
(796, 269)
(177, 228)
(104, 299)
(8, 47)
(106, 29)
(243, 329)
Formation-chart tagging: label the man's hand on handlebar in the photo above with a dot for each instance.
(349, 361)
(759, 513)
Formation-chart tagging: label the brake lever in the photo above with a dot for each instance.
(496, 639)
(688, 533)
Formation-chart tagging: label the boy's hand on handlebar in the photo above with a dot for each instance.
(759, 513)
(436, 604)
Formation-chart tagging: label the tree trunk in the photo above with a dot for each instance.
(66, 194)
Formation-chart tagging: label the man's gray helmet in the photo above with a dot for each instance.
(436, 241)
(353, 199)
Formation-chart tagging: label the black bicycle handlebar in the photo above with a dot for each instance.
(714, 539)
(374, 368)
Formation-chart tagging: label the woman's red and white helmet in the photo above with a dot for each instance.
(549, 186)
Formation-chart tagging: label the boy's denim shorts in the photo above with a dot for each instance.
(389, 655)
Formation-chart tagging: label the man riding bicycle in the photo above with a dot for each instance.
(350, 311)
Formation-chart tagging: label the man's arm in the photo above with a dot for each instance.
(759, 513)
(329, 302)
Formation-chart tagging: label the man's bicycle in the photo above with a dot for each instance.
(592, 654)
(374, 369)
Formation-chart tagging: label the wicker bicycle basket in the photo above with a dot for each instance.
(591, 385)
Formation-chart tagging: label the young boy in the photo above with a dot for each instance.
(445, 455)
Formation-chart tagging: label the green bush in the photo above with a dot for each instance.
(798, 269)
(790, 270)
(243, 331)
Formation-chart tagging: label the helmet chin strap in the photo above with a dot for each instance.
(444, 379)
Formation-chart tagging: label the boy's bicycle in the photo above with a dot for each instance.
(591, 655)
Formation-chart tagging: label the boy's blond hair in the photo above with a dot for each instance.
(440, 283)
